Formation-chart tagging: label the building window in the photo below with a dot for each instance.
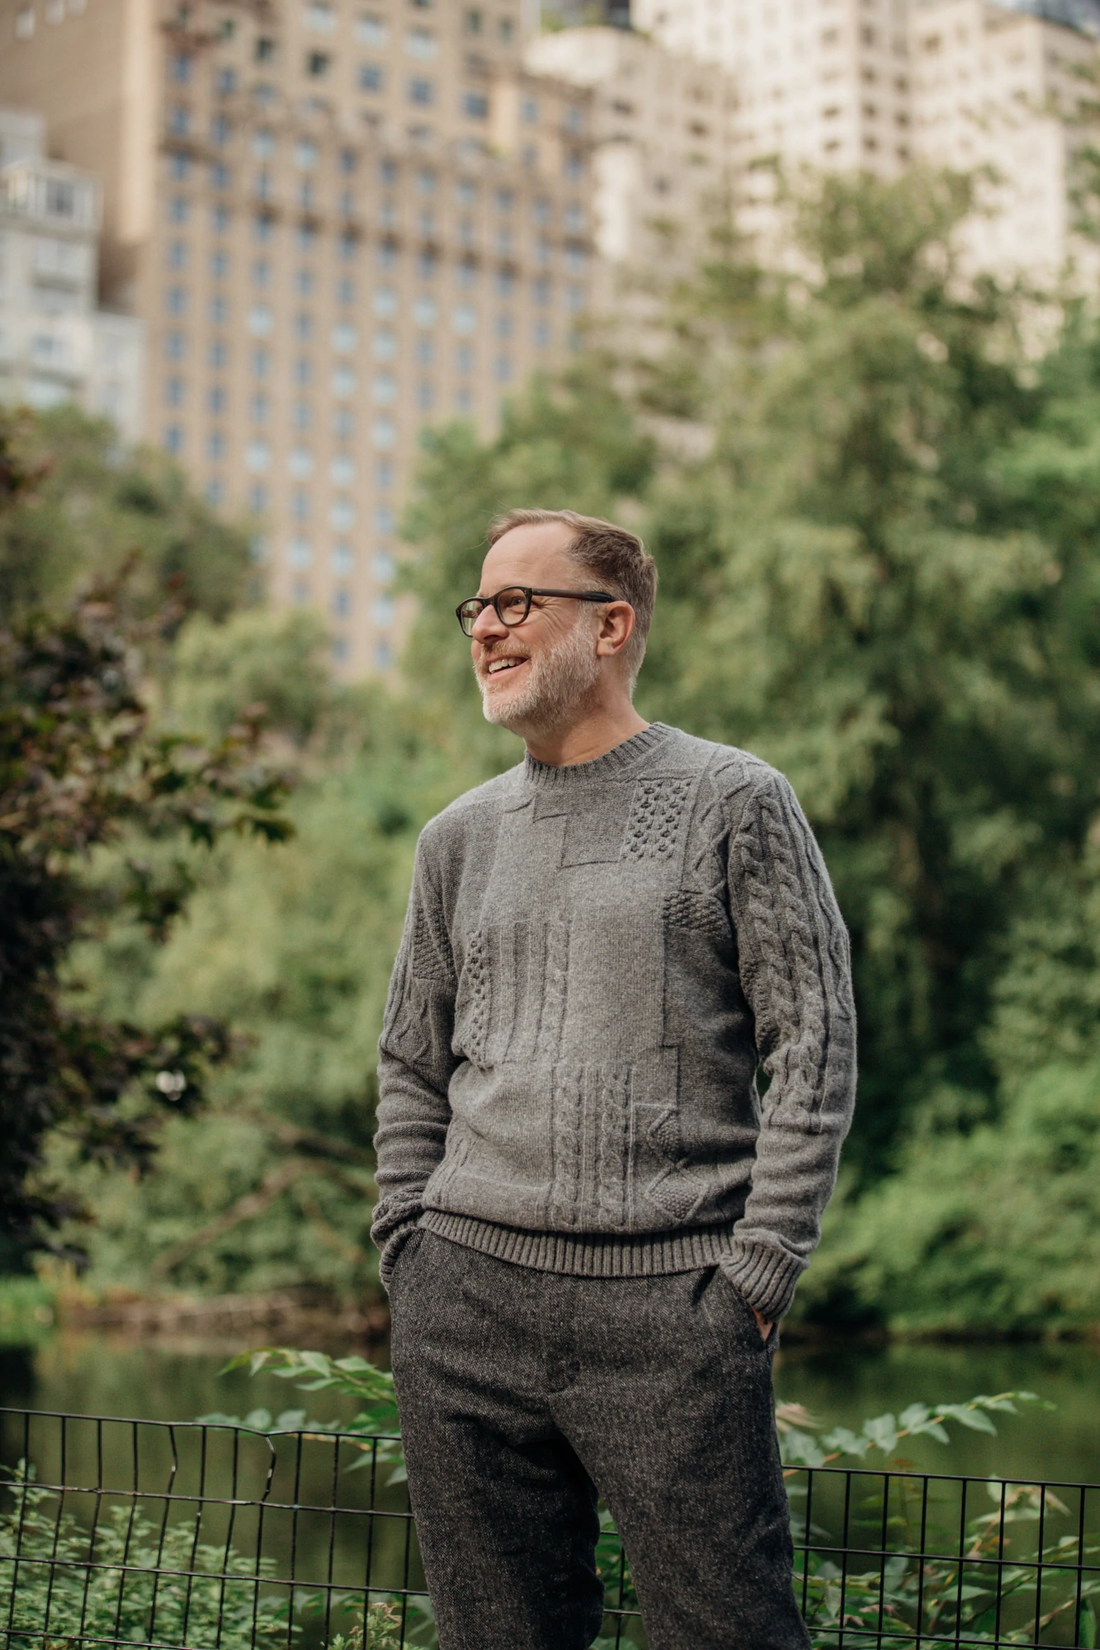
(344, 338)
(175, 346)
(574, 298)
(265, 49)
(219, 310)
(179, 166)
(421, 92)
(260, 409)
(304, 283)
(181, 68)
(341, 606)
(179, 120)
(303, 325)
(542, 290)
(215, 445)
(347, 247)
(370, 29)
(318, 64)
(257, 502)
(574, 166)
(387, 254)
(505, 282)
(261, 363)
(474, 22)
(215, 398)
(219, 175)
(343, 424)
(176, 300)
(343, 558)
(258, 455)
(465, 360)
(300, 505)
(173, 439)
(504, 369)
(342, 470)
(475, 105)
(300, 554)
(303, 370)
(177, 209)
(425, 350)
(219, 264)
(306, 237)
(383, 432)
(302, 417)
(464, 400)
(426, 263)
(320, 17)
(383, 475)
(177, 255)
(541, 335)
(425, 395)
(342, 515)
(219, 219)
(529, 110)
(173, 392)
(504, 325)
(226, 81)
(345, 291)
(220, 130)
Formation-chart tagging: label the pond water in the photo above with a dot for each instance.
(92, 1373)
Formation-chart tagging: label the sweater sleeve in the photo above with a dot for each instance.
(796, 974)
(414, 1067)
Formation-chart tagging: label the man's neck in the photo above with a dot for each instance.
(587, 739)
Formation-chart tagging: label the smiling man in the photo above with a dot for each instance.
(591, 1218)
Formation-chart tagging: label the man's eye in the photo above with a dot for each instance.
(513, 602)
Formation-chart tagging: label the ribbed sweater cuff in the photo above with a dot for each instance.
(592, 1255)
(765, 1276)
(391, 1249)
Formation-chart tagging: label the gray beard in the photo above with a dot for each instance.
(557, 685)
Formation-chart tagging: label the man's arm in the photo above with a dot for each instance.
(414, 1068)
(796, 974)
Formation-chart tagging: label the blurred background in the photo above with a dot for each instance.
(294, 296)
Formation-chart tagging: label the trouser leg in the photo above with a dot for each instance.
(672, 1412)
(505, 1512)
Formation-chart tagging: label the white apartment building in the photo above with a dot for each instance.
(881, 84)
(663, 160)
(55, 345)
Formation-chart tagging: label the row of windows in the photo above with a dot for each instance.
(383, 386)
(387, 257)
(425, 180)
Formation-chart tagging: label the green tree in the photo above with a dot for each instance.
(93, 504)
(79, 764)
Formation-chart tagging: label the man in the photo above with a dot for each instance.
(590, 1219)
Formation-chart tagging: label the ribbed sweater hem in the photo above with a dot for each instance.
(591, 1255)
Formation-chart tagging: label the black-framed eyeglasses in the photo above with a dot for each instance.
(513, 604)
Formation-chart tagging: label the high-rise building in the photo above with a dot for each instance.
(55, 345)
(339, 220)
(663, 151)
(1005, 85)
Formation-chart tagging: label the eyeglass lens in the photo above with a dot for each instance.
(512, 606)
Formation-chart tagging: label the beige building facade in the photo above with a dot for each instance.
(663, 150)
(55, 343)
(880, 85)
(340, 220)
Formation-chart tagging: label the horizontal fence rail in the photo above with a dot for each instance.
(218, 1537)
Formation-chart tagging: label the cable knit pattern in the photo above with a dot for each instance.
(596, 963)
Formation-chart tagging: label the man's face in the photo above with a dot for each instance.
(535, 676)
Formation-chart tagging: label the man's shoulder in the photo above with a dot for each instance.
(471, 810)
(728, 769)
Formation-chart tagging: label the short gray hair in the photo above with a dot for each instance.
(616, 558)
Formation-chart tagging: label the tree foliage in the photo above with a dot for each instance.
(80, 766)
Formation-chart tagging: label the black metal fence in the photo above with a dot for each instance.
(125, 1532)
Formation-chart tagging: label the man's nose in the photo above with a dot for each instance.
(488, 624)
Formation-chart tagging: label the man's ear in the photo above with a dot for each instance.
(616, 628)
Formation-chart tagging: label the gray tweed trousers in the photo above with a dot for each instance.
(521, 1392)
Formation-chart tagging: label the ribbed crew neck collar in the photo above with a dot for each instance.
(608, 766)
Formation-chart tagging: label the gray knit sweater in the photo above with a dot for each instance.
(596, 961)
